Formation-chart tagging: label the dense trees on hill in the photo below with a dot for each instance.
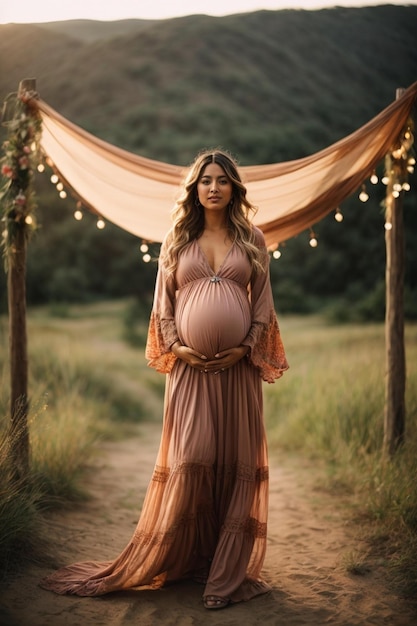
(269, 86)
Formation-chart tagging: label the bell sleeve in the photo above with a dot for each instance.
(264, 338)
(162, 332)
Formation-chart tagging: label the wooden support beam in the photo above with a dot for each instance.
(394, 414)
(16, 285)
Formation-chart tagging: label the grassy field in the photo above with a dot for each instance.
(87, 382)
(329, 408)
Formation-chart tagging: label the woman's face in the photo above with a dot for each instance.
(214, 188)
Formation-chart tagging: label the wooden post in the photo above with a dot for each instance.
(16, 285)
(394, 414)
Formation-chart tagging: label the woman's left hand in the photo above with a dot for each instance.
(225, 359)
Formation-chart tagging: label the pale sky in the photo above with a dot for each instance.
(31, 11)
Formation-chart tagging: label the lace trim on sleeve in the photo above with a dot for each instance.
(268, 353)
(161, 335)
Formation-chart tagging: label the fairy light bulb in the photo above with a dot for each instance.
(28, 220)
(363, 196)
(374, 178)
(60, 186)
(63, 194)
(396, 190)
(101, 224)
(411, 161)
(385, 180)
(144, 247)
(276, 254)
(408, 140)
(410, 169)
(54, 179)
(338, 216)
(78, 215)
(146, 258)
(41, 168)
(313, 240)
(388, 226)
(406, 186)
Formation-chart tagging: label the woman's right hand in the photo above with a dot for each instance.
(189, 356)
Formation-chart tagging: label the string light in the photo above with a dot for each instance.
(388, 226)
(146, 258)
(385, 180)
(78, 214)
(374, 178)
(398, 164)
(396, 189)
(313, 240)
(273, 248)
(144, 247)
(407, 141)
(398, 152)
(363, 196)
(338, 216)
(28, 220)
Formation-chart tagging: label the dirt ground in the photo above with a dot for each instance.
(309, 538)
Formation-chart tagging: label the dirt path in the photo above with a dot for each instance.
(308, 537)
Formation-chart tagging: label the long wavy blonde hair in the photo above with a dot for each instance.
(188, 213)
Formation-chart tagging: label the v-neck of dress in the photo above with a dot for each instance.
(203, 254)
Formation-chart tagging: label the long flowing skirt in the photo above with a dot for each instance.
(205, 510)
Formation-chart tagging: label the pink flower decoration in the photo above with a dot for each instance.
(7, 171)
(20, 199)
(24, 163)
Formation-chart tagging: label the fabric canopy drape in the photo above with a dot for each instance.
(138, 194)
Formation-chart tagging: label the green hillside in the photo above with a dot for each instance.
(91, 30)
(268, 85)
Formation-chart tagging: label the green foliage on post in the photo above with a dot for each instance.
(17, 195)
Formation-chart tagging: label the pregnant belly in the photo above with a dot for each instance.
(213, 316)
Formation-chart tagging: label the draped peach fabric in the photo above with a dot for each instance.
(205, 511)
(138, 194)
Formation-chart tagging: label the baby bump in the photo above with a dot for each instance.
(211, 317)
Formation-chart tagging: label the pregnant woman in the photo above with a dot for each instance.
(214, 332)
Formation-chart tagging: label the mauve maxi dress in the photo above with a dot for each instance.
(205, 510)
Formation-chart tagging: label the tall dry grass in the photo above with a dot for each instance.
(330, 407)
(85, 384)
